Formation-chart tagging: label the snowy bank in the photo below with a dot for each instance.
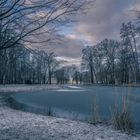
(18, 125)
(22, 87)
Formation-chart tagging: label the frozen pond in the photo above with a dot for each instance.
(79, 102)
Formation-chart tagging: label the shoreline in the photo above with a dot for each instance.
(114, 85)
(13, 88)
(27, 87)
(18, 125)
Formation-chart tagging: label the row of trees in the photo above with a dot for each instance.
(25, 22)
(28, 22)
(115, 62)
(20, 65)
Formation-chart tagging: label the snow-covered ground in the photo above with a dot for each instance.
(69, 88)
(18, 88)
(18, 125)
(22, 87)
(74, 87)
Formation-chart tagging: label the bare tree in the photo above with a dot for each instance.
(130, 39)
(20, 20)
(88, 58)
(101, 61)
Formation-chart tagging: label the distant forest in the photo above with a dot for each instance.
(108, 62)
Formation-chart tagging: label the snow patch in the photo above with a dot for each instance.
(74, 87)
(68, 90)
(19, 88)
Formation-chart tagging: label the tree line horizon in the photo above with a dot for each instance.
(107, 62)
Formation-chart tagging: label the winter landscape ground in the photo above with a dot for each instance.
(18, 125)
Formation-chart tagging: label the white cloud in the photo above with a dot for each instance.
(105, 18)
(69, 61)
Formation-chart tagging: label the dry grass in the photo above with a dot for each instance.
(121, 117)
(95, 113)
(48, 111)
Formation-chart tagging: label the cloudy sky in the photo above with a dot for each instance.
(101, 21)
